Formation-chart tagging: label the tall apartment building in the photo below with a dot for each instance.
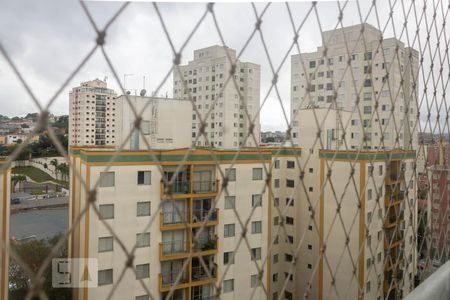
(438, 204)
(375, 241)
(5, 195)
(381, 78)
(132, 191)
(92, 114)
(205, 80)
(99, 118)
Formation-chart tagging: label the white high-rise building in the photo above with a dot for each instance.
(92, 114)
(99, 118)
(205, 80)
(380, 77)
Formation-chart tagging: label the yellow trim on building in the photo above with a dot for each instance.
(362, 227)
(321, 226)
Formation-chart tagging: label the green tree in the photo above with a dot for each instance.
(54, 163)
(33, 253)
(17, 179)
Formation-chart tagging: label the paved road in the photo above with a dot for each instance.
(42, 223)
(39, 204)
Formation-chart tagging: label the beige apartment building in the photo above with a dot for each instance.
(100, 118)
(164, 220)
(92, 114)
(381, 78)
(204, 81)
(5, 195)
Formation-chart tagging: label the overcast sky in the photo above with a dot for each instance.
(47, 39)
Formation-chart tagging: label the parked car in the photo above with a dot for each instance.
(15, 201)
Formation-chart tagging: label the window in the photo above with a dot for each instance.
(368, 56)
(231, 174)
(105, 244)
(228, 230)
(369, 194)
(290, 183)
(105, 277)
(309, 247)
(312, 64)
(143, 239)
(275, 220)
(368, 286)
(290, 220)
(106, 179)
(106, 211)
(143, 209)
(275, 258)
(380, 170)
(275, 277)
(309, 266)
(368, 263)
(254, 281)
(276, 183)
(229, 202)
(277, 164)
(257, 174)
(367, 110)
(288, 257)
(144, 177)
(256, 253)
(311, 170)
(379, 257)
(289, 201)
(142, 271)
(290, 164)
(276, 201)
(228, 285)
(228, 258)
(256, 227)
(142, 297)
(367, 83)
(256, 200)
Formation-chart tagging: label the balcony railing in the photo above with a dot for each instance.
(199, 272)
(199, 215)
(169, 278)
(173, 248)
(185, 187)
(175, 217)
(204, 186)
(205, 244)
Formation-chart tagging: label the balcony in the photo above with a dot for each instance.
(204, 186)
(393, 239)
(167, 280)
(200, 276)
(180, 189)
(173, 250)
(172, 220)
(393, 220)
(200, 216)
(207, 246)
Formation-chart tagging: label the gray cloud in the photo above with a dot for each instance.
(47, 39)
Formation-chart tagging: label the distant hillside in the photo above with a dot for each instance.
(3, 118)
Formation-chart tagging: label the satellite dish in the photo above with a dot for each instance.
(143, 92)
(128, 93)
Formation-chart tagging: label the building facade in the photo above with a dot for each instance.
(5, 195)
(222, 104)
(376, 82)
(438, 204)
(99, 118)
(92, 114)
(180, 220)
(165, 123)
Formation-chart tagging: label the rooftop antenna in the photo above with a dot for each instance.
(125, 78)
(143, 82)
(105, 79)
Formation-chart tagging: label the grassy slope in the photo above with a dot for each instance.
(36, 175)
